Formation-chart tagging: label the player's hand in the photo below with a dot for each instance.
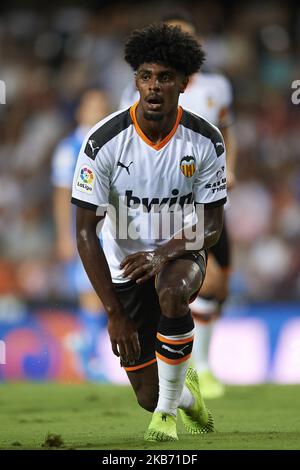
(124, 338)
(142, 265)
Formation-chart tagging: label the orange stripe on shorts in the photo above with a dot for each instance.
(140, 366)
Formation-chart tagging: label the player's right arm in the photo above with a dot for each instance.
(91, 189)
(122, 331)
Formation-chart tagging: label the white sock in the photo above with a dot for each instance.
(203, 331)
(187, 400)
(200, 355)
(172, 355)
(202, 306)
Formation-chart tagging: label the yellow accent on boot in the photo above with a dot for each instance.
(197, 420)
(162, 428)
(210, 386)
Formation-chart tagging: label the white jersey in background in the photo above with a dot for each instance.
(118, 165)
(65, 157)
(207, 94)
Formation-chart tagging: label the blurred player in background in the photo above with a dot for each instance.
(210, 96)
(139, 167)
(93, 106)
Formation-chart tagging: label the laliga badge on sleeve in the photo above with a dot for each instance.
(85, 180)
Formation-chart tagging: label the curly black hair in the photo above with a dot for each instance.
(163, 44)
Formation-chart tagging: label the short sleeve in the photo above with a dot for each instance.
(91, 182)
(210, 184)
(62, 167)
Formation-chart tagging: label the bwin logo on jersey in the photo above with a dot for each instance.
(188, 165)
(146, 204)
(92, 148)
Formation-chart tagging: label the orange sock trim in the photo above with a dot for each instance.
(172, 362)
(173, 341)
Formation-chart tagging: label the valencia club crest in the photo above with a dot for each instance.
(188, 165)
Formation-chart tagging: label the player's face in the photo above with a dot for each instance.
(159, 87)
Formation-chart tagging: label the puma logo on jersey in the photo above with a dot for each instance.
(92, 148)
(124, 166)
(180, 351)
(219, 147)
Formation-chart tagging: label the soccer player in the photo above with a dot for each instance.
(210, 96)
(143, 166)
(93, 106)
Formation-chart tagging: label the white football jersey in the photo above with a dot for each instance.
(207, 94)
(119, 168)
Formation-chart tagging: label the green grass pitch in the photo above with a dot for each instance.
(91, 416)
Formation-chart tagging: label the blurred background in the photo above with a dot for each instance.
(47, 59)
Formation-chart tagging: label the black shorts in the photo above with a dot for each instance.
(141, 304)
(221, 250)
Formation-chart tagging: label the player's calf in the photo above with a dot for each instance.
(147, 400)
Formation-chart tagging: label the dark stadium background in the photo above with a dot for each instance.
(48, 55)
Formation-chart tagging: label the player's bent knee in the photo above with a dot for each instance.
(173, 298)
